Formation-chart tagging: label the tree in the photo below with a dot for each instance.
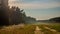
(4, 18)
(16, 16)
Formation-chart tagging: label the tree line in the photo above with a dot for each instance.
(13, 15)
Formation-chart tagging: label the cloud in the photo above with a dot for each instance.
(33, 5)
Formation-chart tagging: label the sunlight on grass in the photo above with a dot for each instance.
(27, 29)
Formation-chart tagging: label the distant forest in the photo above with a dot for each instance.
(51, 20)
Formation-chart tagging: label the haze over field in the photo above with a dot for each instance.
(29, 16)
(40, 9)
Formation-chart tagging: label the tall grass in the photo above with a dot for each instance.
(28, 29)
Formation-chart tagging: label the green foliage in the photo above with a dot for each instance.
(56, 27)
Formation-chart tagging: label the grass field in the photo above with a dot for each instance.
(30, 28)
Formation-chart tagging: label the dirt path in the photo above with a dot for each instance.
(38, 30)
(47, 30)
(53, 31)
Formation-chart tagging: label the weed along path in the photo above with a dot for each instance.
(53, 31)
(29, 29)
(38, 30)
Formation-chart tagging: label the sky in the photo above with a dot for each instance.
(39, 9)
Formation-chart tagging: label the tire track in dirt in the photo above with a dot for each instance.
(38, 30)
(53, 31)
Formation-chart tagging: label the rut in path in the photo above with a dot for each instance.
(38, 30)
(52, 30)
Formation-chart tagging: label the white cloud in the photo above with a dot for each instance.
(12, 0)
(34, 5)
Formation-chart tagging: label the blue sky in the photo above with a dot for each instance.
(39, 9)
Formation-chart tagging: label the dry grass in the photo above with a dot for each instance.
(26, 29)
